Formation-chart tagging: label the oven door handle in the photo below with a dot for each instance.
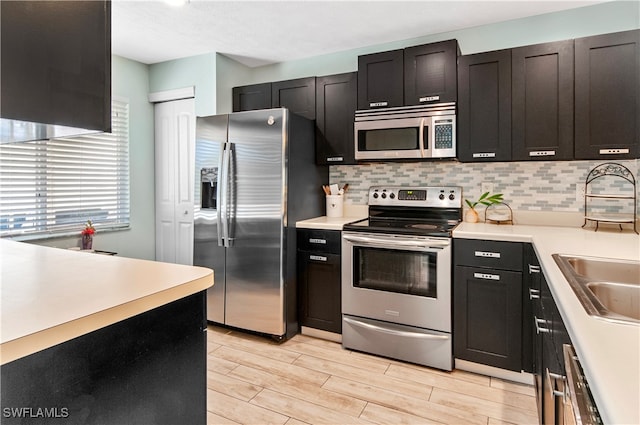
(368, 240)
(393, 331)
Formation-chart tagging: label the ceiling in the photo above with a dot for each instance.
(257, 33)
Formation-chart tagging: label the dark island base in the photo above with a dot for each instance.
(148, 369)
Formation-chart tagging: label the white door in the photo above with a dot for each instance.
(175, 125)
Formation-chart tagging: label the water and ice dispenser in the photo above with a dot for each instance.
(209, 187)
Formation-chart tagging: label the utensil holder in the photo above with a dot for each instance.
(335, 205)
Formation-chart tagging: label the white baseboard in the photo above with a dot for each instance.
(509, 375)
(319, 333)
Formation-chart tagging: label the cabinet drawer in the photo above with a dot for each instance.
(494, 254)
(324, 241)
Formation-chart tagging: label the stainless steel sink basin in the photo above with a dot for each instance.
(607, 288)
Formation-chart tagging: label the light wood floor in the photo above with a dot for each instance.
(252, 380)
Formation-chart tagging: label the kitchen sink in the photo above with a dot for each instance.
(607, 288)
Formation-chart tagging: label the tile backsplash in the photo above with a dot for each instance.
(527, 186)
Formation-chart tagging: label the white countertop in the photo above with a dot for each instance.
(609, 352)
(328, 223)
(50, 295)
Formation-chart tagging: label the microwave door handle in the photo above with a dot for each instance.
(421, 137)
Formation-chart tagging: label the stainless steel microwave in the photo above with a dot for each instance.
(411, 132)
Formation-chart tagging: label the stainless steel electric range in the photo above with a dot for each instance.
(396, 275)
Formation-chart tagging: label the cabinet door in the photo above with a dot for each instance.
(380, 80)
(299, 96)
(607, 98)
(249, 98)
(56, 62)
(430, 73)
(320, 292)
(484, 107)
(335, 112)
(488, 317)
(530, 296)
(542, 101)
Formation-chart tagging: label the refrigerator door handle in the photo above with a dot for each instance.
(223, 222)
(230, 232)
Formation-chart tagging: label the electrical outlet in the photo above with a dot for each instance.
(579, 192)
(486, 187)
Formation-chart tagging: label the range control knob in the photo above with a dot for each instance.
(384, 195)
(392, 195)
(452, 196)
(375, 195)
(441, 196)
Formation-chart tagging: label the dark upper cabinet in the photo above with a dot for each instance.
(56, 62)
(380, 80)
(430, 73)
(299, 96)
(607, 97)
(484, 106)
(335, 110)
(542, 101)
(252, 97)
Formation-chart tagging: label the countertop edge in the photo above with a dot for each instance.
(30, 344)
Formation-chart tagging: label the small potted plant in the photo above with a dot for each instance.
(87, 235)
(471, 215)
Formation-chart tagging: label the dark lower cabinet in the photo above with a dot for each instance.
(487, 303)
(319, 268)
(484, 107)
(56, 62)
(549, 370)
(299, 96)
(148, 369)
(252, 97)
(607, 96)
(488, 316)
(542, 101)
(336, 97)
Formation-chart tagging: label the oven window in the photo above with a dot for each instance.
(389, 139)
(391, 270)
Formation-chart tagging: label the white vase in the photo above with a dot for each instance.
(471, 216)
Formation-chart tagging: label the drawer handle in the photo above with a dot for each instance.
(534, 269)
(613, 151)
(377, 104)
(335, 159)
(534, 294)
(317, 258)
(486, 276)
(486, 254)
(318, 241)
(484, 155)
(542, 153)
(539, 329)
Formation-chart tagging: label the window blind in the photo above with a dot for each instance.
(52, 187)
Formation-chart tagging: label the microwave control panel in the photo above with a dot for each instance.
(443, 137)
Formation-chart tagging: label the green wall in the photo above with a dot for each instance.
(598, 19)
(130, 80)
(198, 71)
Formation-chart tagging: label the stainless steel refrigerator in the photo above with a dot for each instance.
(257, 177)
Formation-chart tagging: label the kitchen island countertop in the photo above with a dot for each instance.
(609, 352)
(50, 295)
